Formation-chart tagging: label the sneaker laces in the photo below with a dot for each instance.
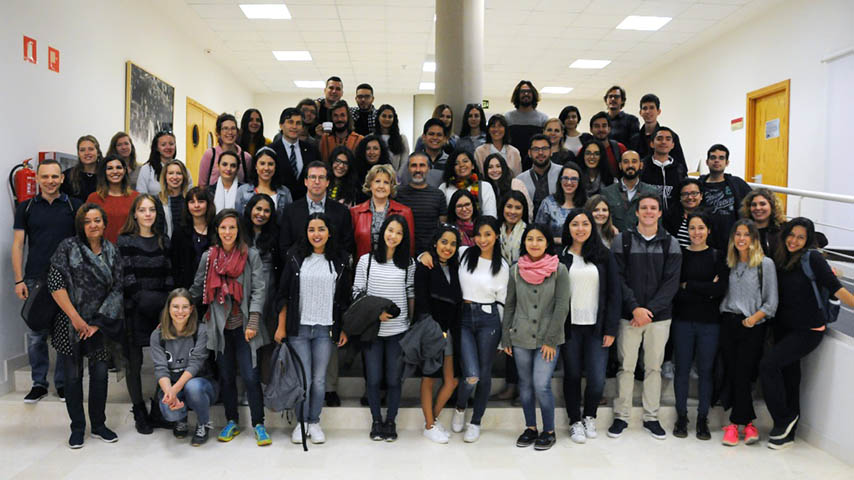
(201, 430)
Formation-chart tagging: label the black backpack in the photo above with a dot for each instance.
(827, 303)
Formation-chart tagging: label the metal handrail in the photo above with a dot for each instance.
(805, 193)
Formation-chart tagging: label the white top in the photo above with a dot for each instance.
(225, 197)
(487, 197)
(573, 144)
(390, 282)
(480, 286)
(583, 291)
(317, 279)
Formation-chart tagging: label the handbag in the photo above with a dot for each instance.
(40, 309)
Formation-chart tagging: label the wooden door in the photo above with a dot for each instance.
(767, 152)
(201, 135)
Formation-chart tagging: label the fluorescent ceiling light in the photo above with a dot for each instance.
(310, 83)
(635, 22)
(427, 86)
(557, 90)
(277, 11)
(292, 55)
(589, 64)
(429, 67)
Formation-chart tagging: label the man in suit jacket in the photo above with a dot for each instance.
(292, 153)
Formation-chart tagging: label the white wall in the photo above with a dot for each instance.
(45, 111)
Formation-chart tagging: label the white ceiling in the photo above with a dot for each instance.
(385, 42)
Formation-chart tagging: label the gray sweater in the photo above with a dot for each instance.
(184, 354)
(744, 295)
(534, 315)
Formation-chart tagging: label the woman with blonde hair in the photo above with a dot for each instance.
(368, 216)
(766, 210)
(81, 179)
(174, 183)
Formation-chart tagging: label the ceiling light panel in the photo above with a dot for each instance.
(273, 11)
(589, 64)
(637, 22)
(292, 55)
(316, 84)
(557, 90)
(425, 86)
(428, 67)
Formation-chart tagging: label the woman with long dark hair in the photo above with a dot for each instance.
(498, 141)
(81, 179)
(344, 187)
(263, 180)
(499, 175)
(514, 218)
(262, 233)
(569, 194)
(162, 151)
(473, 131)
(570, 117)
(601, 211)
(461, 174)
(389, 132)
(553, 130)
(371, 151)
(113, 194)
(463, 214)
(191, 240)
(121, 145)
(595, 174)
(225, 188)
(252, 132)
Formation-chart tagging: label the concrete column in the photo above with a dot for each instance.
(422, 109)
(459, 54)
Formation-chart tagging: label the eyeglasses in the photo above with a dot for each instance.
(316, 178)
(228, 129)
(461, 206)
(569, 179)
(589, 153)
(540, 149)
(614, 95)
(690, 194)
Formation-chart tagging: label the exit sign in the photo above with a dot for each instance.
(485, 104)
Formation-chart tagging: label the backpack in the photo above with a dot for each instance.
(242, 165)
(827, 303)
(286, 386)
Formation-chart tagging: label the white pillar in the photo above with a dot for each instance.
(459, 54)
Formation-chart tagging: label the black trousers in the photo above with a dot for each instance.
(780, 371)
(74, 392)
(742, 349)
(133, 373)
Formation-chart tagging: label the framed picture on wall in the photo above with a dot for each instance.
(149, 107)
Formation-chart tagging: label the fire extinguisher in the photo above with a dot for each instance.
(22, 179)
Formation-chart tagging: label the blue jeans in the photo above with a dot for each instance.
(237, 354)
(480, 333)
(535, 380)
(313, 346)
(198, 395)
(692, 339)
(583, 351)
(40, 358)
(382, 356)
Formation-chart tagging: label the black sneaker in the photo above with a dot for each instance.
(545, 441)
(201, 435)
(779, 432)
(703, 432)
(332, 399)
(680, 429)
(105, 434)
(60, 392)
(140, 420)
(527, 438)
(75, 441)
(182, 428)
(377, 432)
(390, 430)
(782, 443)
(616, 428)
(654, 429)
(36, 393)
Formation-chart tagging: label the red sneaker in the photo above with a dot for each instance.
(730, 435)
(751, 434)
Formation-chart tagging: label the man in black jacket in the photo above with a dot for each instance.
(661, 170)
(722, 192)
(292, 153)
(622, 124)
(641, 142)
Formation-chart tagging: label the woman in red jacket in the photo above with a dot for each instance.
(368, 216)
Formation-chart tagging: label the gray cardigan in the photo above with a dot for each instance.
(534, 315)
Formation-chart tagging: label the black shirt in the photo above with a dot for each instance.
(700, 300)
(640, 143)
(623, 126)
(88, 184)
(46, 225)
(798, 308)
(427, 204)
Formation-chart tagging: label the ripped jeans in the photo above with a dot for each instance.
(480, 334)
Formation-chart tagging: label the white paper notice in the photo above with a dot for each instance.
(772, 129)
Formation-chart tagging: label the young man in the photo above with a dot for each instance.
(676, 220)
(622, 124)
(622, 195)
(364, 112)
(722, 192)
(432, 139)
(44, 221)
(525, 121)
(342, 131)
(641, 142)
(660, 170)
(541, 179)
(331, 94)
(428, 204)
(600, 128)
(292, 154)
(649, 261)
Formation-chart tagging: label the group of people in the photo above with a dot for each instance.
(578, 247)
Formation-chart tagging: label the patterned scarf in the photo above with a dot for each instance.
(466, 233)
(470, 183)
(536, 272)
(512, 242)
(222, 270)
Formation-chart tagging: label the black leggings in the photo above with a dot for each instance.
(780, 371)
(133, 376)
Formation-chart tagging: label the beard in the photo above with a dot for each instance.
(340, 128)
(631, 175)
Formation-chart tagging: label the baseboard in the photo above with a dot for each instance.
(7, 383)
(819, 440)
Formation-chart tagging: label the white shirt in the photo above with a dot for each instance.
(296, 152)
(481, 286)
(583, 291)
(225, 197)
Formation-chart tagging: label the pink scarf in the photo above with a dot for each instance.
(536, 272)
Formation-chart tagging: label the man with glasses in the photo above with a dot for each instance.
(292, 154)
(541, 179)
(676, 221)
(622, 196)
(661, 170)
(525, 121)
(428, 204)
(622, 124)
(364, 114)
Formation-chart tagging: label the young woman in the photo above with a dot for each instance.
(147, 268)
(462, 214)
(179, 353)
(751, 298)
(369, 216)
(263, 179)
(391, 276)
(568, 194)
(162, 151)
(438, 294)
(696, 323)
(514, 214)
(252, 132)
(473, 131)
(533, 329)
(81, 179)
(230, 281)
(262, 233)
(595, 174)
(498, 141)
(225, 188)
(311, 298)
(765, 209)
(389, 132)
(593, 322)
(799, 325)
(344, 187)
(371, 151)
(192, 239)
(598, 206)
(553, 130)
(460, 174)
(85, 280)
(174, 183)
(113, 194)
(226, 134)
(501, 178)
(570, 117)
(121, 145)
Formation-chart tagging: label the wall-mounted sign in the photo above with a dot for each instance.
(736, 124)
(772, 129)
(30, 54)
(53, 59)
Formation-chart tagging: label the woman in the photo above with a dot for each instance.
(462, 214)
(252, 132)
(568, 195)
(226, 186)
(81, 179)
(174, 183)
(263, 179)
(514, 213)
(179, 353)
(121, 145)
(147, 268)
(696, 323)
(460, 174)
(226, 134)
(799, 326)
(553, 130)
(751, 298)
(445, 113)
(498, 141)
(162, 151)
(532, 330)
(230, 281)
(570, 117)
(371, 151)
(598, 206)
(473, 132)
(391, 276)
(438, 296)
(113, 194)
(389, 132)
(344, 187)
(85, 280)
(501, 178)
(369, 216)
(262, 233)
(311, 298)
(192, 238)
(593, 322)
(765, 209)
(595, 174)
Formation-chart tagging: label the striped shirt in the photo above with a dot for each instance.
(317, 279)
(390, 282)
(682, 234)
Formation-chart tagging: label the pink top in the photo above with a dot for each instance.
(205, 166)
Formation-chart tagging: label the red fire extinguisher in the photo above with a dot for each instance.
(22, 179)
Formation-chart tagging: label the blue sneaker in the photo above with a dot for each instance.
(228, 432)
(261, 436)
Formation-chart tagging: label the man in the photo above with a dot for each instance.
(364, 113)
(331, 95)
(622, 196)
(45, 221)
(649, 261)
(292, 154)
(623, 124)
(428, 204)
(676, 220)
(541, 179)
(601, 128)
(722, 192)
(342, 131)
(660, 170)
(432, 140)
(650, 109)
(525, 121)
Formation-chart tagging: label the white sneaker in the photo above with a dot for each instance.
(296, 437)
(590, 427)
(438, 424)
(458, 421)
(472, 433)
(435, 434)
(668, 370)
(315, 433)
(576, 433)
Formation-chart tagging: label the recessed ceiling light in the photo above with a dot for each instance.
(427, 86)
(557, 90)
(276, 11)
(292, 55)
(310, 83)
(635, 22)
(589, 64)
(429, 67)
